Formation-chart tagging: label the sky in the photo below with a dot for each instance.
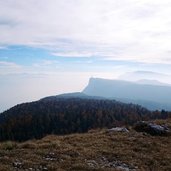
(55, 46)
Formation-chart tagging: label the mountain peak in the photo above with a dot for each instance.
(143, 92)
(145, 75)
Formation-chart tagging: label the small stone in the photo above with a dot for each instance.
(17, 164)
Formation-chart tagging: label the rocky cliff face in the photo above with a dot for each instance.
(156, 96)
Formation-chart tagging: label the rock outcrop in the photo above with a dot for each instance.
(152, 128)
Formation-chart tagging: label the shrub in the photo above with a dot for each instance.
(9, 145)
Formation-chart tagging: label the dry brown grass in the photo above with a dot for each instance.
(96, 150)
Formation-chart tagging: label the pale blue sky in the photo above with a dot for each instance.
(51, 47)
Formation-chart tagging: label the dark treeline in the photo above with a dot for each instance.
(65, 116)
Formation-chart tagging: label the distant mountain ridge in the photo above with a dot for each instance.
(148, 95)
(152, 82)
(79, 95)
(145, 75)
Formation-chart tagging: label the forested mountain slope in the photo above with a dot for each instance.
(68, 115)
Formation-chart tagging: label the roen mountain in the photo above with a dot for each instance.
(148, 95)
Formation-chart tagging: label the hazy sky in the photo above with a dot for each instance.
(49, 47)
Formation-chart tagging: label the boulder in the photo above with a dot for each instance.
(152, 128)
(118, 129)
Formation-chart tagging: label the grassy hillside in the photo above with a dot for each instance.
(99, 150)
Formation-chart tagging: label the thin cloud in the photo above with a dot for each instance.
(73, 54)
(3, 47)
(46, 63)
(8, 64)
(9, 68)
(60, 26)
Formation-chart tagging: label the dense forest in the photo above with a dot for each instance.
(69, 115)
